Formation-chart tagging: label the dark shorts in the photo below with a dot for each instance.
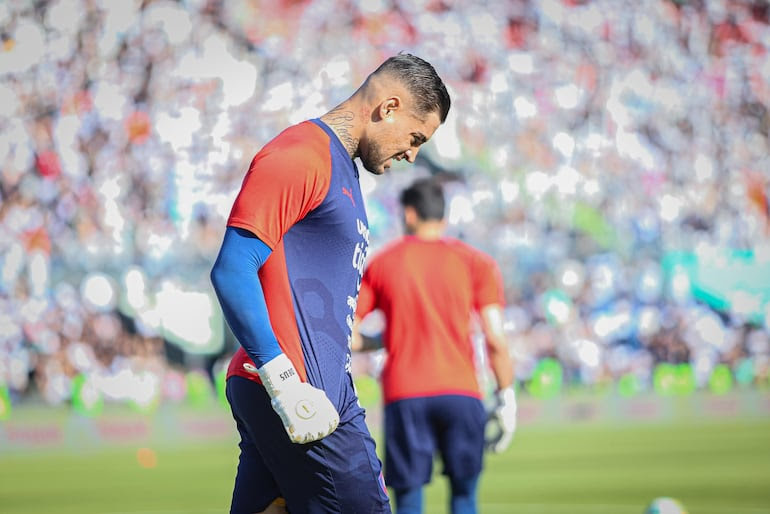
(340, 473)
(417, 428)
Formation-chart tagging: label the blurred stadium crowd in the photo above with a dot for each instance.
(612, 155)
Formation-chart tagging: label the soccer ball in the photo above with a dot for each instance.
(665, 505)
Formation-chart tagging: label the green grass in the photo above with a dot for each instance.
(712, 467)
(715, 467)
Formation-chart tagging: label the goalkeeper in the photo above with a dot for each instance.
(427, 287)
(287, 278)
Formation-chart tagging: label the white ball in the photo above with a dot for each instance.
(665, 505)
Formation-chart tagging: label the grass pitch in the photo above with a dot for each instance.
(719, 466)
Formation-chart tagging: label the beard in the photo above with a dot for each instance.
(372, 158)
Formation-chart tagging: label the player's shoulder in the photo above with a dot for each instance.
(442, 246)
(387, 251)
(459, 245)
(303, 139)
(390, 254)
(467, 251)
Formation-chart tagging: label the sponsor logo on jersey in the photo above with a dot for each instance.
(347, 192)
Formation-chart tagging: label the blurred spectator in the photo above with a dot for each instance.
(619, 157)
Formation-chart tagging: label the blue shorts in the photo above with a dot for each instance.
(340, 473)
(417, 428)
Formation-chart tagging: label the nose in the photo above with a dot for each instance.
(411, 155)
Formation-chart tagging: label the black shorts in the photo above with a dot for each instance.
(340, 473)
(418, 428)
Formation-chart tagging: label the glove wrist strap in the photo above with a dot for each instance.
(507, 397)
(277, 374)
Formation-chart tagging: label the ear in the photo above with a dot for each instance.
(410, 218)
(388, 107)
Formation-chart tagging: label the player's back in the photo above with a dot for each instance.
(428, 291)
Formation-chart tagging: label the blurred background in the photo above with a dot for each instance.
(612, 155)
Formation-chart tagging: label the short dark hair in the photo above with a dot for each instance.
(421, 79)
(426, 196)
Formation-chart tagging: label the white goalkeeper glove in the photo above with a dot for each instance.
(306, 412)
(501, 422)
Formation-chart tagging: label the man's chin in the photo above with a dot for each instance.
(376, 170)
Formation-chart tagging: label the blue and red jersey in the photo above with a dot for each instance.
(428, 292)
(301, 197)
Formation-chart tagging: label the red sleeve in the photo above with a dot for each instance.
(367, 298)
(487, 281)
(287, 179)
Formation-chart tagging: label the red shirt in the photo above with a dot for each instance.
(428, 292)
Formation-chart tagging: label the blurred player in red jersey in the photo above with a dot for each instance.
(287, 278)
(428, 288)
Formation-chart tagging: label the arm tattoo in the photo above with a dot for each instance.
(341, 122)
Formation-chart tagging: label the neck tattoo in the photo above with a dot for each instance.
(341, 122)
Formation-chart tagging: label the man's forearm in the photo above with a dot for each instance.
(502, 365)
(236, 282)
(365, 343)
